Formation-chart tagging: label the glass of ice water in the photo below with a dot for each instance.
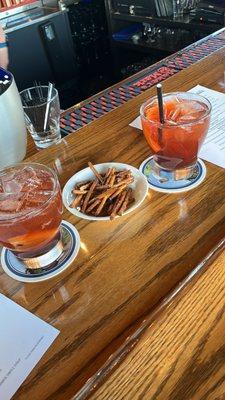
(42, 113)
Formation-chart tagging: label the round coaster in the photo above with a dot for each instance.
(167, 184)
(18, 271)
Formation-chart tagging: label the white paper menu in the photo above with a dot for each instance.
(24, 338)
(213, 148)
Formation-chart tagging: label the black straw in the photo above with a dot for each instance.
(161, 112)
(160, 103)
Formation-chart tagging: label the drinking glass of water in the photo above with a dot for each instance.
(42, 113)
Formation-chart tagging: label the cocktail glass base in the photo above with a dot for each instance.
(171, 182)
(59, 258)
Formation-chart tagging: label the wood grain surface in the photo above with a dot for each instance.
(125, 267)
(181, 355)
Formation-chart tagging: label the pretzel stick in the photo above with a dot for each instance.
(118, 204)
(76, 191)
(101, 205)
(82, 184)
(102, 187)
(104, 198)
(112, 179)
(107, 193)
(91, 201)
(95, 172)
(111, 191)
(76, 201)
(85, 186)
(118, 191)
(107, 173)
(121, 177)
(118, 200)
(88, 196)
(119, 180)
(109, 176)
(127, 181)
(93, 205)
(125, 203)
(119, 173)
(110, 208)
(123, 173)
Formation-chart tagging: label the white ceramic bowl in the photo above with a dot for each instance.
(139, 186)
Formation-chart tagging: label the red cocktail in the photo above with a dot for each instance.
(176, 143)
(30, 210)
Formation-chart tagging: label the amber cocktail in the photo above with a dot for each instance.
(176, 143)
(30, 210)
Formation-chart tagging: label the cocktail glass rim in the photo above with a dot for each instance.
(54, 95)
(43, 205)
(175, 124)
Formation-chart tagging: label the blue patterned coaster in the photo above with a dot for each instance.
(18, 271)
(166, 182)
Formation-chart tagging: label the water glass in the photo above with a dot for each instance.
(42, 114)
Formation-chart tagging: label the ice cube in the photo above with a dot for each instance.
(10, 203)
(36, 199)
(188, 118)
(193, 108)
(174, 115)
(27, 172)
(187, 111)
(176, 99)
(29, 182)
(10, 184)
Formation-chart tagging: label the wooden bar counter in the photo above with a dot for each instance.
(178, 352)
(127, 266)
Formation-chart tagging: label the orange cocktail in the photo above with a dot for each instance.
(30, 209)
(176, 143)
